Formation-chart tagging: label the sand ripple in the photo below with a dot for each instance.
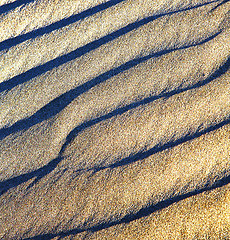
(115, 119)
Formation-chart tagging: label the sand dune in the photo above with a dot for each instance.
(115, 119)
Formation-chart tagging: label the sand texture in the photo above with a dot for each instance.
(114, 119)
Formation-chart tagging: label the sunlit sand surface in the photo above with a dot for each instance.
(115, 119)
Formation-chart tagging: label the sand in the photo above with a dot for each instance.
(114, 119)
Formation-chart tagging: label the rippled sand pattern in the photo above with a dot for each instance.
(114, 119)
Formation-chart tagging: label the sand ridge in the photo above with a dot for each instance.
(115, 119)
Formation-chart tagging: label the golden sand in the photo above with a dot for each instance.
(115, 119)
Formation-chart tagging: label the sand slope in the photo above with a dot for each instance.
(115, 119)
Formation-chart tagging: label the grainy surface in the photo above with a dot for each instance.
(115, 119)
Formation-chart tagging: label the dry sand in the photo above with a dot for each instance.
(115, 119)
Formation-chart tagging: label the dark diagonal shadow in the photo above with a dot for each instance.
(57, 25)
(10, 6)
(58, 104)
(6, 185)
(38, 174)
(159, 148)
(142, 155)
(36, 71)
(222, 70)
(144, 212)
(218, 5)
(41, 172)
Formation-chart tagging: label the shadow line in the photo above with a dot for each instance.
(8, 43)
(6, 185)
(10, 6)
(36, 71)
(144, 212)
(40, 173)
(142, 155)
(158, 148)
(218, 5)
(222, 70)
(59, 103)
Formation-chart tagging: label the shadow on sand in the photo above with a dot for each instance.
(8, 43)
(146, 211)
(10, 6)
(36, 71)
(59, 103)
(41, 172)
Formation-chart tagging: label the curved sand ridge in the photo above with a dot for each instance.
(115, 119)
